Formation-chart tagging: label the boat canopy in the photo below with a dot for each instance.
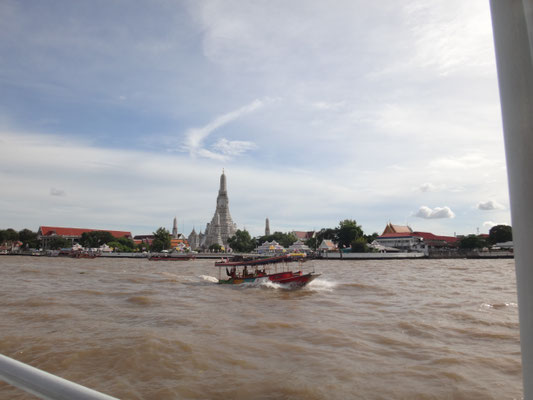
(259, 261)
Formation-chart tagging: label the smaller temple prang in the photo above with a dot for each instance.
(194, 239)
(267, 227)
(175, 229)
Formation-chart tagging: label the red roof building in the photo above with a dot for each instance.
(416, 241)
(77, 232)
(73, 234)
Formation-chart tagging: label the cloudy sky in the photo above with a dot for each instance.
(121, 115)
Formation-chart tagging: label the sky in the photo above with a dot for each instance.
(120, 115)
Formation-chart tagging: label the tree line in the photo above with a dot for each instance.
(28, 238)
(497, 234)
(346, 235)
(94, 239)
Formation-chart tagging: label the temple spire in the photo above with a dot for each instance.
(223, 188)
(221, 227)
(267, 227)
(175, 229)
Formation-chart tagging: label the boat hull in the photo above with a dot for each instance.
(286, 279)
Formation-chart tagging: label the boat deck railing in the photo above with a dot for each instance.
(43, 384)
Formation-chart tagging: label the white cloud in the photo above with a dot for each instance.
(108, 187)
(490, 205)
(451, 36)
(427, 187)
(466, 161)
(233, 147)
(490, 224)
(400, 94)
(436, 213)
(57, 192)
(195, 137)
(329, 106)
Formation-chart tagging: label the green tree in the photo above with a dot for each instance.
(347, 232)
(324, 233)
(241, 242)
(122, 244)
(126, 243)
(360, 245)
(472, 242)
(28, 238)
(371, 238)
(58, 242)
(96, 238)
(11, 235)
(215, 247)
(284, 239)
(142, 247)
(161, 240)
(500, 234)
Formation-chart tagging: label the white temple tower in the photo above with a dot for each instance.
(221, 227)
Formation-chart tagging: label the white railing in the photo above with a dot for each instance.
(512, 23)
(44, 385)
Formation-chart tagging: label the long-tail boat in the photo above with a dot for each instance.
(258, 270)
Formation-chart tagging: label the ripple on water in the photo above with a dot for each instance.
(419, 330)
(484, 320)
(140, 300)
(369, 330)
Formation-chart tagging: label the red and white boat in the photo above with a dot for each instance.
(259, 270)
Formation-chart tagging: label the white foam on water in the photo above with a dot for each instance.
(269, 284)
(263, 282)
(324, 285)
(498, 305)
(209, 278)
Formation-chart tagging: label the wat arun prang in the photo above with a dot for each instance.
(221, 227)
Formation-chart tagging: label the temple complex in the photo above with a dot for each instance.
(221, 227)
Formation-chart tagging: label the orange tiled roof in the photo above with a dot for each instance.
(390, 228)
(302, 235)
(427, 236)
(56, 230)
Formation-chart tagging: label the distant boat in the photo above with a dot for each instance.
(180, 257)
(260, 270)
(83, 255)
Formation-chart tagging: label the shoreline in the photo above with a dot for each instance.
(327, 257)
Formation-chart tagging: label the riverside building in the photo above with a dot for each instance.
(46, 233)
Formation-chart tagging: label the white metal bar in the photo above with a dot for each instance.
(512, 22)
(44, 385)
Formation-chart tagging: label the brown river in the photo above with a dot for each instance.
(138, 329)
